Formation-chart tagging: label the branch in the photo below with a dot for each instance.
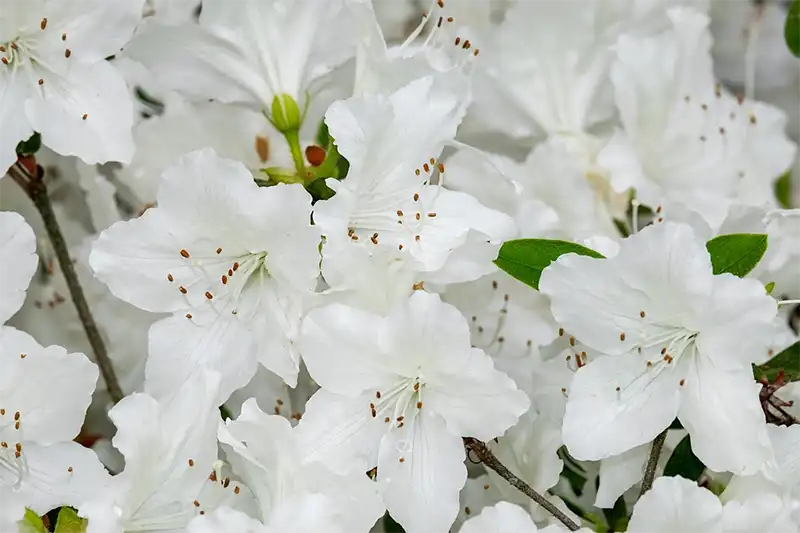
(36, 189)
(487, 457)
(652, 462)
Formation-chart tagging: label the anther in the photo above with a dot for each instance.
(721, 130)
(704, 107)
(494, 284)
(475, 53)
(2, 412)
(402, 459)
(219, 251)
(440, 166)
(441, 3)
(374, 238)
(682, 382)
(400, 247)
(649, 363)
(230, 272)
(41, 81)
(668, 358)
(572, 341)
(189, 316)
(16, 415)
(84, 116)
(3, 444)
(416, 386)
(432, 214)
(439, 24)
(43, 24)
(426, 168)
(191, 462)
(399, 212)
(184, 254)
(235, 267)
(466, 45)
(416, 238)
(560, 332)
(752, 119)
(486, 487)
(416, 197)
(226, 482)
(378, 394)
(196, 503)
(224, 279)
(458, 41)
(387, 419)
(63, 36)
(400, 418)
(416, 171)
(617, 389)
(69, 469)
(418, 215)
(622, 336)
(4, 60)
(182, 289)
(170, 278)
(209, 295)
(419, 405)
(236, 489)
(642, 314)
(213, 476)
(67, 53)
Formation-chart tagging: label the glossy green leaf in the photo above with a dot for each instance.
(791, 31)
(683, 462)
(69, 521)
(738, 253)
(525, 259)
(788, 360)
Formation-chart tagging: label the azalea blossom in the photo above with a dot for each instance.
(671, 340)
(685, 138)
(399, 392)
(248, 52)
(387, 204)
(44, 393)
(267, 454)
(170, 453)
(233, 262)
(54, 78)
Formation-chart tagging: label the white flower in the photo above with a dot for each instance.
(170, 448)
(265, 452)
(54, 78)
(399, 392)
(248, 52)
(672, 340)
(44, 393)
(386, 203)
(18, 262)
(685, 139)
(231, 260)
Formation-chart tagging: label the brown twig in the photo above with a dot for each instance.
(652, 462)
(36, 190)
(487, 457)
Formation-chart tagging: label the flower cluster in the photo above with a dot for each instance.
(371, 265)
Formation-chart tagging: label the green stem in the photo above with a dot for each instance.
(293, 138)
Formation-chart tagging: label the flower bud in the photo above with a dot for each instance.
(285, 113)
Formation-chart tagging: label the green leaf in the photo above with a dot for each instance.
(31, 146)
(69, 521)
(31, 523)
(791, 32)
(525, 259)
(769, 287)
(683, 462)
(788, 360)
(783, 190)
(737, 253)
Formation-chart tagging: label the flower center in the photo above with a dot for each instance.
(12, 459)
(400, 404)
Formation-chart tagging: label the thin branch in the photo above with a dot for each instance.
(36, 189)
(488, 458)
(652, 462)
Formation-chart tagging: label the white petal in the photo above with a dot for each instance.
(676, 504)
(225, 519)
(94, 91)
(619, 473)
(475, 399)
(617, 403)
(341, 349)
(503, 517)
(178, 346)
(718, 404)
(421, 492)
(18, 262)
(199, 64)
(341, 432)
(62, 474)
